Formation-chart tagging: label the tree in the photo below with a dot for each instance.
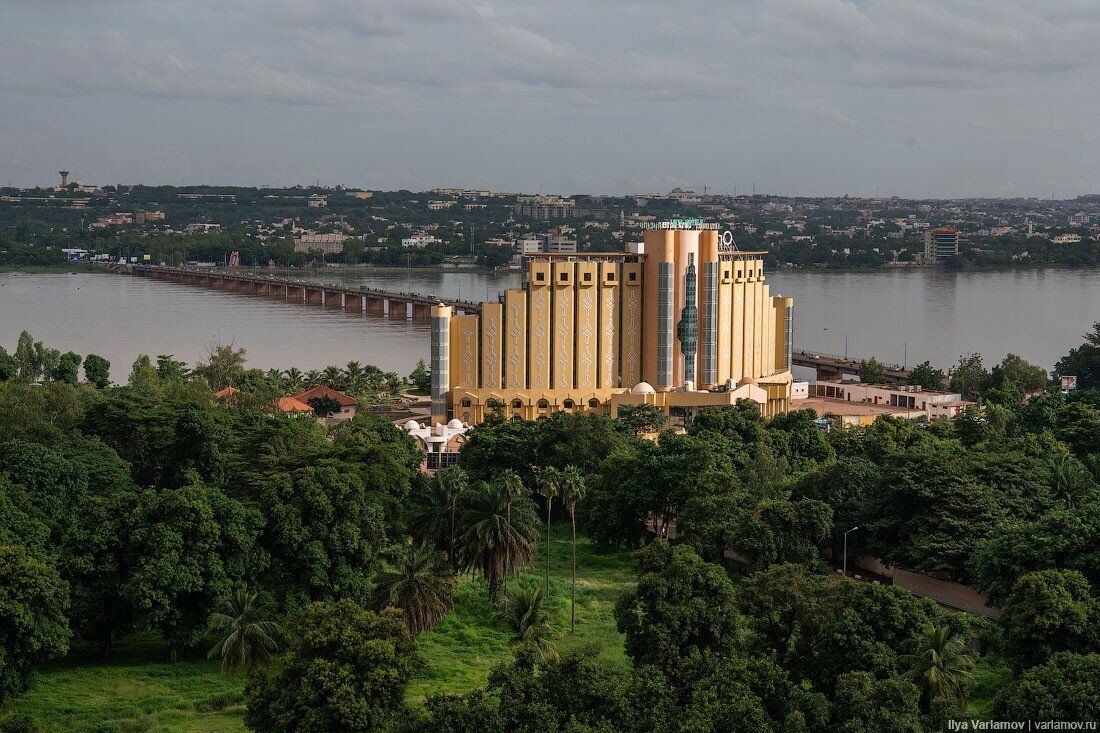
(681, 608)
(67, 367)
(421, 377)
(9, 366)
(324, 406)
(418, 582)
(511, 487)
(97, 370)
(247, 635)
(871, 371)
(454, 482)
(1066, 687)
(28, 358)
(1083, 361)
(190, 547)
(639, 419)
(937, 662)
(927, 376)
(430, 514)
(524, 613)
(1049, 611)
(549, 486)
(969, 376)
(863, 704)
(33, 624)
(573, 492)
(223, 366)
(345, 669)
(1014, 370)
(491, 544)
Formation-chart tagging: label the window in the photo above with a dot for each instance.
(543, 405)
(588, 277)
(569, 404)
(564, 277)
(611, 277)
(466, 402)
(540, 277)
(593, 403)
(738, 273)
(517, 404)
(725, 273)
(633, 277)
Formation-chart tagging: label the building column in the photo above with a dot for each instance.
(440, 360)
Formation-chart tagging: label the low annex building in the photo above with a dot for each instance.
(681, 322)
(347, 403)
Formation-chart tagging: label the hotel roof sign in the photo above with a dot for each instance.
(679, 224)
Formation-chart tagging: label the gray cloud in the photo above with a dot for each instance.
(584, 93)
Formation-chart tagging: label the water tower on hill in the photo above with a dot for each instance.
(64, 178)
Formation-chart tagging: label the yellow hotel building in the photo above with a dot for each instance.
(683, 324)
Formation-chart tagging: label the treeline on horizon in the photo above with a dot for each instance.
(148, 507)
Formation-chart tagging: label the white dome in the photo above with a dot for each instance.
(455, 424)
(412, 425)
(642, 388)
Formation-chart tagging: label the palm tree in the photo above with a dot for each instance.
(938, 663)
(419, 582)
(490, 544)
(454, 482)
(249, 636)
(333, 377)
(429, 515)
(549, 483)
(393, 382)
(1071, 478)
(353, 373)
(572, 492)
(293, 380)
(511, 487)
(524, 612)
(312, 378)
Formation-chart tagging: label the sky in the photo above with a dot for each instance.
(917, 98)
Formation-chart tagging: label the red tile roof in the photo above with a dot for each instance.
(290, 404)
(322, 391)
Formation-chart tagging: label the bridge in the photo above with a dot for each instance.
(831, 367)
(326, 295)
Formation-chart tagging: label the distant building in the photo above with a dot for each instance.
(317, 201)
(141, 217)
(1080, 219)
(440, 205)
(327, 243)
(202, 228)
(939, 244)
(347, 402)
(1068, 238)
(545, 208)
(871, 400)
(419, 241)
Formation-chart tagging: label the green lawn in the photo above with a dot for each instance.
(991, 673)
(138, 690)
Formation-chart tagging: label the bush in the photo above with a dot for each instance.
(19, 723)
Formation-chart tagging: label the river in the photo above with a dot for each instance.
(896, 315)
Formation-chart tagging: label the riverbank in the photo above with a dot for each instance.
(65, 269)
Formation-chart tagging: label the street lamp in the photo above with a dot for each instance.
(844, 572)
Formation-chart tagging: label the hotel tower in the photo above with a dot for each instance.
(683, 323)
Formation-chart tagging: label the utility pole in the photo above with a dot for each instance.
(844, 571)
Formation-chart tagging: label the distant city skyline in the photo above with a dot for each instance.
(930, 99)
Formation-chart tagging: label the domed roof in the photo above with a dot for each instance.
(455, 424)
(411, 425)
(642, 388)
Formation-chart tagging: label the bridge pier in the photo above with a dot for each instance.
(386, 307)
(409, 311)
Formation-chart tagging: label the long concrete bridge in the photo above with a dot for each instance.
(327, 295)
(831, 367)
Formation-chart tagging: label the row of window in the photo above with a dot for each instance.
(540, 277)
(541, 404)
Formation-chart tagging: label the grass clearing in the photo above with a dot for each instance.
(991, 673)
(137, 690)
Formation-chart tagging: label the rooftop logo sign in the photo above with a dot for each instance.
(679, 224)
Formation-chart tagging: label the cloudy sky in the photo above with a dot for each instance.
(906, 97)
